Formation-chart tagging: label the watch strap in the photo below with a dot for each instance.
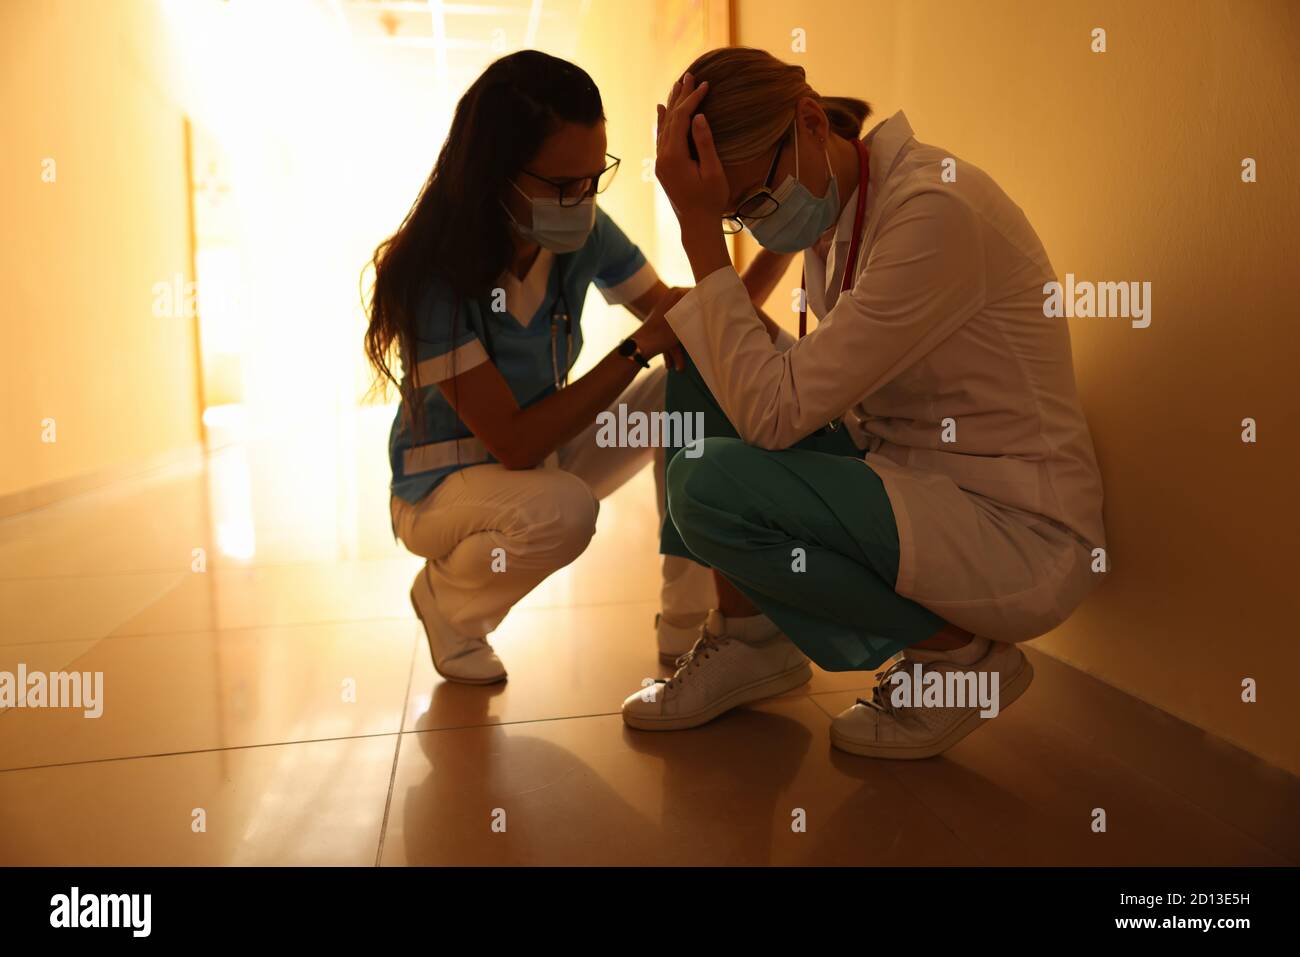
(629, 349)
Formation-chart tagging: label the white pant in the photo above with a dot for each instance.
(542, 518)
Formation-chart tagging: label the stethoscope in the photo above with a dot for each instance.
(561, 315)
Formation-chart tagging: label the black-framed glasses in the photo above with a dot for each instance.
(759, 203)
(574, 191)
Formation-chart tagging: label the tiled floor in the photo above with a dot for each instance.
(276, 690)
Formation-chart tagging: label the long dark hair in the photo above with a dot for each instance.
(457, 231)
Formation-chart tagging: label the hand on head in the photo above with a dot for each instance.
(697, 188)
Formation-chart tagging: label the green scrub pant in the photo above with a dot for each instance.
(806, 533)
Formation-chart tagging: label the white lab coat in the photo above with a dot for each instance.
(941, 336)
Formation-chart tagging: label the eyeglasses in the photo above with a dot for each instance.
(574, 191)
(759, 203)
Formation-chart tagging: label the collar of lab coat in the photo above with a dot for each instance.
(885, 141)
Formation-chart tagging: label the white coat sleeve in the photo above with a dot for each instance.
(924, 277)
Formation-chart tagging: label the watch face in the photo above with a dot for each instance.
(627, 347)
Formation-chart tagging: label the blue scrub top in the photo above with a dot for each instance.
(452, 340)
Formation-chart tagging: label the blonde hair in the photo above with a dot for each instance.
(752, 97)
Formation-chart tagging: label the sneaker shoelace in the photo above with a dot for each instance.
(688, 662)
(879, 700)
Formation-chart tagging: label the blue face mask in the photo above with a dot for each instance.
(802, 217)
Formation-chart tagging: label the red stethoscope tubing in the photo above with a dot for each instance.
(864, 175)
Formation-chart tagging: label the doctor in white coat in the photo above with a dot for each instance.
(915, 475)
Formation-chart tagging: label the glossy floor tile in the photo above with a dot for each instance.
(1235, 786)
(1025, 790)
(312, 804)
(757, 786)
(164, 694)
(261, 663)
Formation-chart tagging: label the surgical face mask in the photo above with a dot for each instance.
(561, 229)
(802, 217)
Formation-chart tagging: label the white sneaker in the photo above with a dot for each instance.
(469, 660)
(720, 673)
(878, 728)
(676, 640)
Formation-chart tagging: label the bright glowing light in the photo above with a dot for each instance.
(237, 540)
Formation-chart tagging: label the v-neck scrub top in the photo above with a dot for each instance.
(452, 340)
(948, 374)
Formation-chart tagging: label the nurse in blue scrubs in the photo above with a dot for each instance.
(476, 317)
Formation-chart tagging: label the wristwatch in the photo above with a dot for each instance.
(628, 349)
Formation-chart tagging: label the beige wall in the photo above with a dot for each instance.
(1128, 164)
(82, 254)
